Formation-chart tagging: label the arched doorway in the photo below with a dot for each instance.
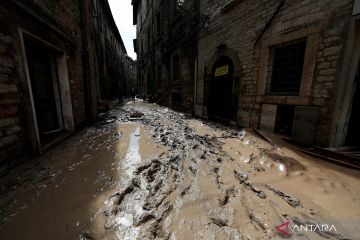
(221, 90)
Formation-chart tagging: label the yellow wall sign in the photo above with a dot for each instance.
(221, 71)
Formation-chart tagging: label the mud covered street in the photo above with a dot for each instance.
(169, 176)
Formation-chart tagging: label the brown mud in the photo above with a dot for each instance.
(169, 176)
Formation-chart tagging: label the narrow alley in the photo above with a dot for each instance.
(170, 176)
(179, 119)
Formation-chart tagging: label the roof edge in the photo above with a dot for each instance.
(113, 24)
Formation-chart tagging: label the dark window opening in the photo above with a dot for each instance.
(286, 69)
(176, 68)
(284, 119)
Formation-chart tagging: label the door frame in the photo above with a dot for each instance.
(64, 94)
(233, 56)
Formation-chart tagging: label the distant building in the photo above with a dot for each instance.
(166, 46)
(289, 67)
(130, 71)
(58, 61)
(283, 66)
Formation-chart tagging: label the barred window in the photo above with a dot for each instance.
(285, 69)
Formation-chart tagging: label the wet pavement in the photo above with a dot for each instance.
(169, 176)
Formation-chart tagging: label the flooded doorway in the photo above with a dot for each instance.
(221, 105)
(353, 132)
(45, 90)
(46, 68)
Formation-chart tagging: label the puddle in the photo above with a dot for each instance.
(132, 158)
(82, 175)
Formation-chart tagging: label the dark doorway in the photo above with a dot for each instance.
(43, 77)
(353, 133)
(284, 119)
(221, 99)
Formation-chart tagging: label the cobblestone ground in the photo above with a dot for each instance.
(169, 176)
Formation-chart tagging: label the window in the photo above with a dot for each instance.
(285, 69)
(176, 68)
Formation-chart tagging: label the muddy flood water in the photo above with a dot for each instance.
(169, 176)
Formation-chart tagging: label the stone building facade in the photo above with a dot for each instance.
(166, 46)
(56, 60)
(288, 67)
(131, 76)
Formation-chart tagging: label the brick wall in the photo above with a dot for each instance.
(176, 37)
(10, 129)
(17, 134)
(62, 24)
(240, 25)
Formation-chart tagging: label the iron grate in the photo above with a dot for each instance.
(285, 69)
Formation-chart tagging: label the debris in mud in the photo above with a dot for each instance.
(290, 200)
(86, 236)
(136, 116)
(106, 118)
(120, 196)
(185, 191)
(144, 218)
(219, 222)
(194, 185)
(258, 221)
(255, 189)
(230, 192)
(242, 177)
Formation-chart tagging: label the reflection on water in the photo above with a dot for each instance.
(132, 158)
(124, 221)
